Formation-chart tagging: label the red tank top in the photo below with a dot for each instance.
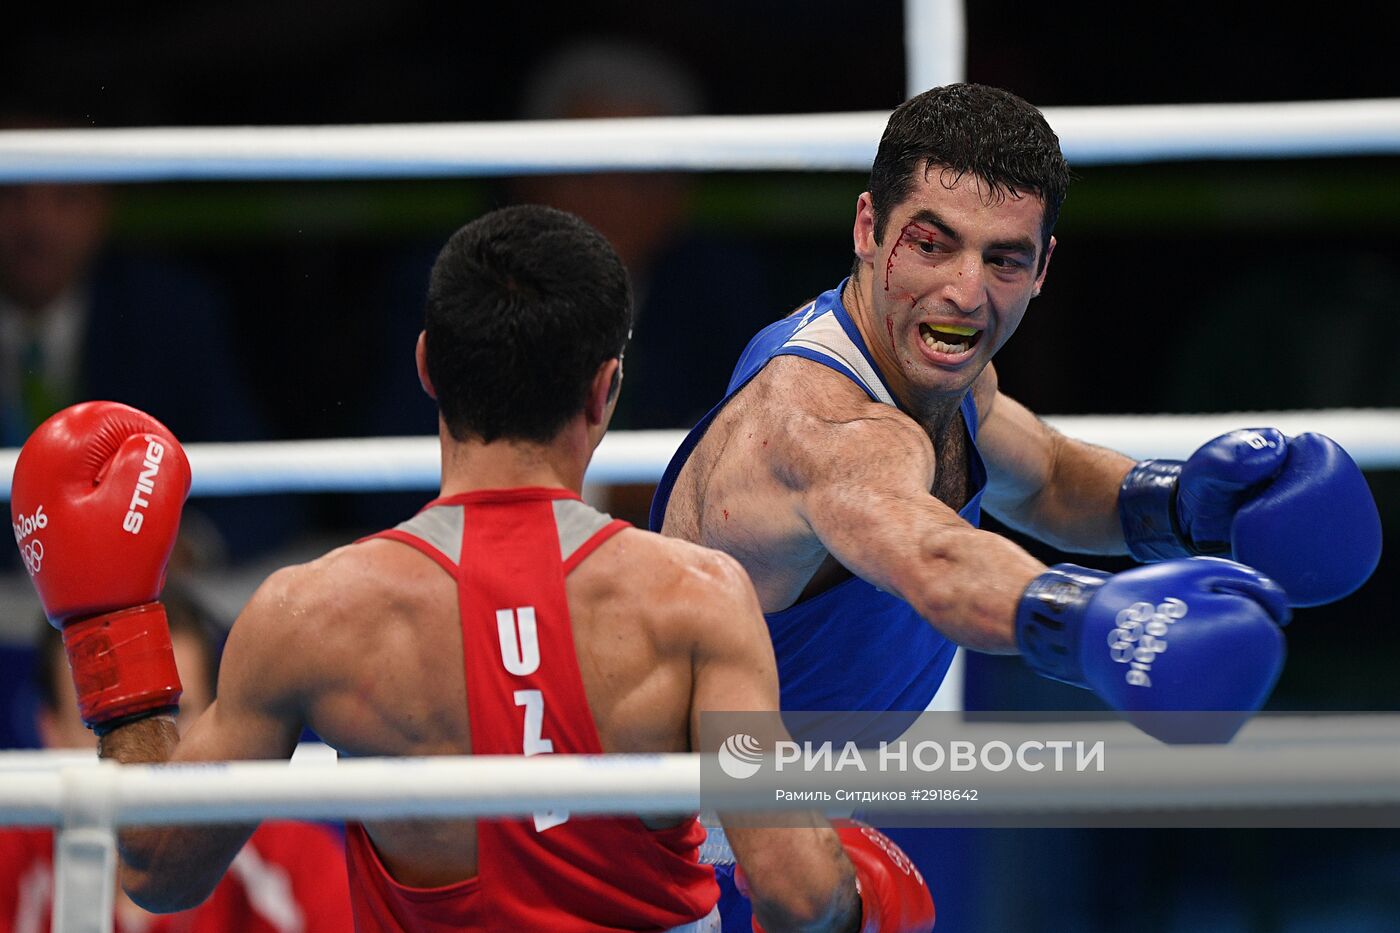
(509, 551)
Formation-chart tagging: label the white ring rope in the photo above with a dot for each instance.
(804, 142)
(1317, 763)
(1371, 436)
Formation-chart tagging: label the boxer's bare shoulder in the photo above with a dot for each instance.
(354, 591)
(663, 628)
(668, 593)
(355, 633)
(797, 427)
(657, 572)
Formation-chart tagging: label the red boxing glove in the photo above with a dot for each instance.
(95, 506)
(893, 895)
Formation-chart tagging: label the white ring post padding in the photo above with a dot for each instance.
(935, 44)
(85, 849)
(1317, 762)
(85, 862)
(775, 142)
(1371, 436)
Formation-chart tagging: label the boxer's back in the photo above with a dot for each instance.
(389, 672)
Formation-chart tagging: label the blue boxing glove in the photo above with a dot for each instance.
(1296, 508)
(1200, 634)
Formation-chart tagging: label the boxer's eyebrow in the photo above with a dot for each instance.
(1019, 245)
(931, 218)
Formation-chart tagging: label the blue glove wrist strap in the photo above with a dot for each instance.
(1147, 511)
(1049, 619)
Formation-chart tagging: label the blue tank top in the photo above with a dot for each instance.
(852, 647)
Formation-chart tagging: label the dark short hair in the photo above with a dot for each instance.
(185, 613)
(964, 129)
(524, 304)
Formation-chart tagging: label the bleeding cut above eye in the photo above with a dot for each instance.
(949, 338)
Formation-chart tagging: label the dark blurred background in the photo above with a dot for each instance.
(1184, 286)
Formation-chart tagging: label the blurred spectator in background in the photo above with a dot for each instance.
(79, 321)
(699, 296)
(289, 878)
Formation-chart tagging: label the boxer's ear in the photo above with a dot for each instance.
(615, 384)
(603, 392)
(420, 357)
(864, 235)
(1044, 267)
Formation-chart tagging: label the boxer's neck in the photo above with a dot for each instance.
(472, 464)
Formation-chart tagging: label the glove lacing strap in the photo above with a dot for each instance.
(123, 666)
(1046, 620)
(1147, 511)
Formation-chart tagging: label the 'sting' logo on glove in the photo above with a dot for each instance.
(1140, 635)
(145, 483)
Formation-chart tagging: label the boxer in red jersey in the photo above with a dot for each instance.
(507, 617)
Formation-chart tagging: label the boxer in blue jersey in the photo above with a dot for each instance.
(862, 435)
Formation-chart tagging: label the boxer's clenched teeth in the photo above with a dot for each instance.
(949, 338)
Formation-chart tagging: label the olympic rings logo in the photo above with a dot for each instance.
(33, 556)
(1140, 635)
(1143, 625)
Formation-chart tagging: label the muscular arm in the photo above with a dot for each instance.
(1058, 489)
(255, 717)
(799, 876)
(859, 473)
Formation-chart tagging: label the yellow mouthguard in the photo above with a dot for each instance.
(953, 329)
